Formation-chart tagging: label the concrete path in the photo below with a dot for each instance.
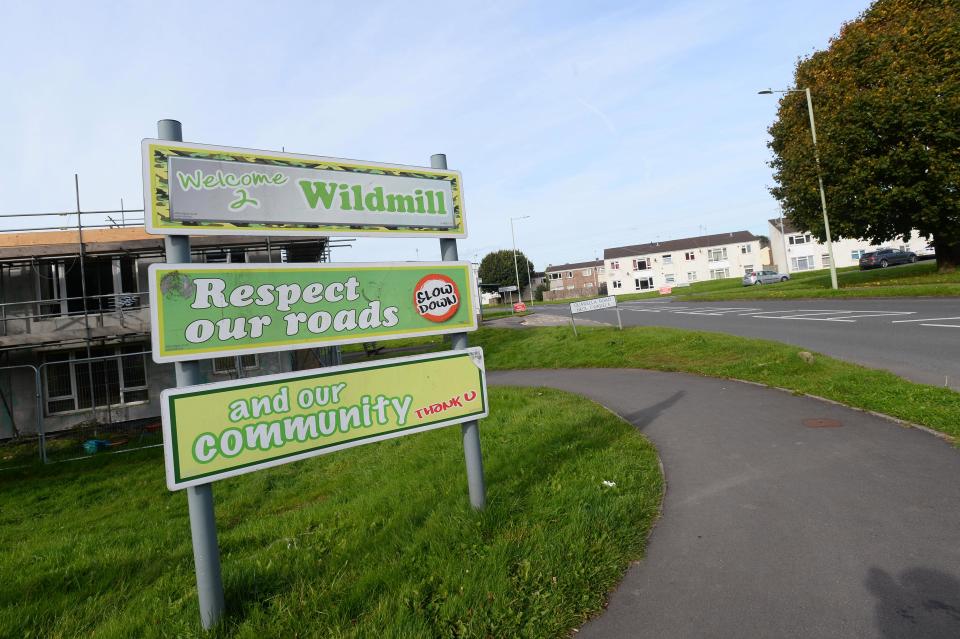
(773, 528)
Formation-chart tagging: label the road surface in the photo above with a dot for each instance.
(918, 339)
(774, 528)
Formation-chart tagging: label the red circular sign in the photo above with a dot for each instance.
(436, 297)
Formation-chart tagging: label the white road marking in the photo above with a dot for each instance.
(887, 314)
(809, 319)
(942, 325)
(925, 319)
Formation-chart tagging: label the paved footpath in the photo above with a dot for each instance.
(773, 528)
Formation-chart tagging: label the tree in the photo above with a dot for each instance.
(497, 268)
(887, 103)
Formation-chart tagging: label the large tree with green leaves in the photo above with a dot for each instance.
(497, 268)
(886, 96)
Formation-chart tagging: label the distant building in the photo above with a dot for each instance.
(643, 267)
(580, 279)
(795, 250)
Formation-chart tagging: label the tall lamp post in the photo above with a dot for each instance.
(516, 270)
(816, 157)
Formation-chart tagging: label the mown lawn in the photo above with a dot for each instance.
(375, 541)
(909, 280)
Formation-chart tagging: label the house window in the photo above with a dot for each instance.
(825, 258)
(588, 285)
(641, 264)
(719, 273)
(555, 276)
(715, 255)
(570, 287)
(569, 274)
(226, 365)
(614, 265)
(668, 259)
(802, 263)
(643, 284)
(802, 238)
(689, 256)
(617, 284)
(691, 276)
(747, 269)
(118, 381)
(586, 271)
(856, 255)
(669, 278)
(746, 248)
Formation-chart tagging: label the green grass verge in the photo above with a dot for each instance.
(376, 541)
(489, 315)
(729, 356)
(912, 280)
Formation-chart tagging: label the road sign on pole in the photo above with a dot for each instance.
(202, 189)
(215, 431)
(219, 310)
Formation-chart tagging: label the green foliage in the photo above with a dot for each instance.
(497, 268)
(886, 97)
(375, 541)
(538, 292)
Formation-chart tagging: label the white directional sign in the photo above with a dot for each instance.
(506, 289)
(593, 305)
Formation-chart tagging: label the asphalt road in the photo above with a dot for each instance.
(773, 528)
(918, 339)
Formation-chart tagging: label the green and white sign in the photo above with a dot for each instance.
(215, 310)
(201, 189)
(213, 431)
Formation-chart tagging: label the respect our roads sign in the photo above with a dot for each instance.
(230, 428)
(202, 189)
(216, 310)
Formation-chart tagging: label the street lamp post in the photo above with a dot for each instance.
(816, 158)
(516, 270)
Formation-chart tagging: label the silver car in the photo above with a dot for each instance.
(764, 277)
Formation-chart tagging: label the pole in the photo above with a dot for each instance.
(203, 525)
(783, 238)
(823, 196)
(469, 430)
(515, 270)
(573, 323)
(529, 282)
(619, 323)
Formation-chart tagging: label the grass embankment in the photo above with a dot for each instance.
(375, 541)
(716, 355)
(910, 280)
(728, 356)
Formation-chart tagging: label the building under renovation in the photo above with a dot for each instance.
(75, 323)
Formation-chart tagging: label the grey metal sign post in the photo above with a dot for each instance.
(203, 525)
(470, 430)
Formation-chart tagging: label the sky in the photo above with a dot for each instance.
(607, 123)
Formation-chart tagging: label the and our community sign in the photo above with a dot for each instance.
(201, 189)
(230, 428)
(213, 310)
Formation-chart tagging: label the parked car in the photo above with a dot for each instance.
(764, 277)
(928, 252)
(886, 256)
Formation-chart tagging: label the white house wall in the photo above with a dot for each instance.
(846, 251)
(741, 257)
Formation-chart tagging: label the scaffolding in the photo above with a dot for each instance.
(75, 317)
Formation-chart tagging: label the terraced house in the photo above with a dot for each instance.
(642, 267)
(580, 279)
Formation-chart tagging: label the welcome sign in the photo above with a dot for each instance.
(214, 431)
(217, 310)
(202, 189)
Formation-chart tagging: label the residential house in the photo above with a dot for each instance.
(795, 250)
(643, 267)
(580, 279)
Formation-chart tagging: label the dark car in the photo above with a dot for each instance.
(884, 257)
